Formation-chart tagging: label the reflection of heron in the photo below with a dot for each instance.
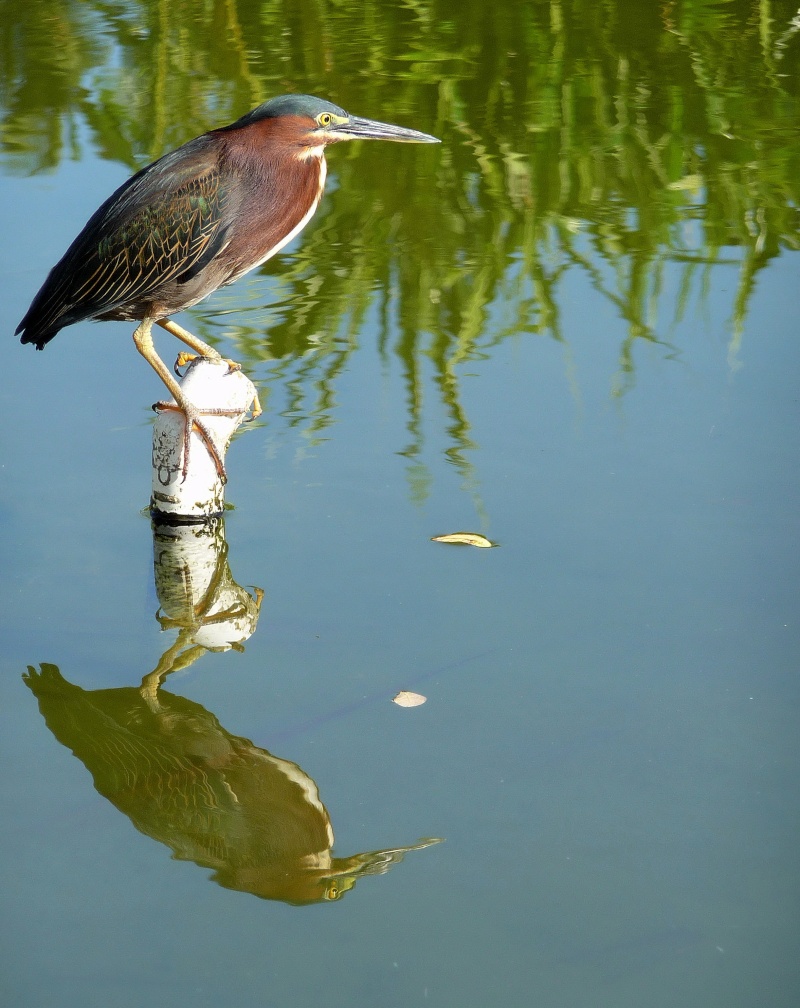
(195, 220)
(212, 797)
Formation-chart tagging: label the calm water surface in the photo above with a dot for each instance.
(571, 327)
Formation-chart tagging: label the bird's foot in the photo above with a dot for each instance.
(185, 358)
(193, 422)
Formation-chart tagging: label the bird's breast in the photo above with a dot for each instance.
(276, 210)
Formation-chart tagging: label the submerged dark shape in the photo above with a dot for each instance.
(254, 819)
(195, 220)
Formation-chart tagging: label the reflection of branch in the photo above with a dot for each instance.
(458, 428)
(783, 40)
(630, 306)
(747, 273)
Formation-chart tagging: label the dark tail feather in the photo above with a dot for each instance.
(39, 339)
(31, 333)
(50, 310)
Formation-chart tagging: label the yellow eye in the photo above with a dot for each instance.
(324, 119)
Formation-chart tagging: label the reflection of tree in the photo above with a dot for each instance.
(213, 798)
(578, 136)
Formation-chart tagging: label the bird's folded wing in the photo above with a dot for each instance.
(162, 226)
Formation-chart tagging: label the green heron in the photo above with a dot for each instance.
(195, 220)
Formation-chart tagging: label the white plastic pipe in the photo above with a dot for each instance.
(201, 495)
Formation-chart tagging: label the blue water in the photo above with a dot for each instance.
(609, 747)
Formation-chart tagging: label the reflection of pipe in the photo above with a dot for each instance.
(198, 597)
(213, 798)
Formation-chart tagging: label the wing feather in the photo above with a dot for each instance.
(163, 225)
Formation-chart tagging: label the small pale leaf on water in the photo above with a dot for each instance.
(406, 699)
(465, 539)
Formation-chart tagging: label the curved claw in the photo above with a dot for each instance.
(182, 360)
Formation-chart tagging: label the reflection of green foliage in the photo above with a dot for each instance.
(45, 48)
(595, 135)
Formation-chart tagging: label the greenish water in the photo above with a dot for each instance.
(571, 327)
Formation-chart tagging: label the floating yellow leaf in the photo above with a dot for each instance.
(465, 539)
(406, 699)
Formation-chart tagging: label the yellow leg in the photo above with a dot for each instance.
(143, 338)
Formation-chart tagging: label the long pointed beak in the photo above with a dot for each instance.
(368, 129)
